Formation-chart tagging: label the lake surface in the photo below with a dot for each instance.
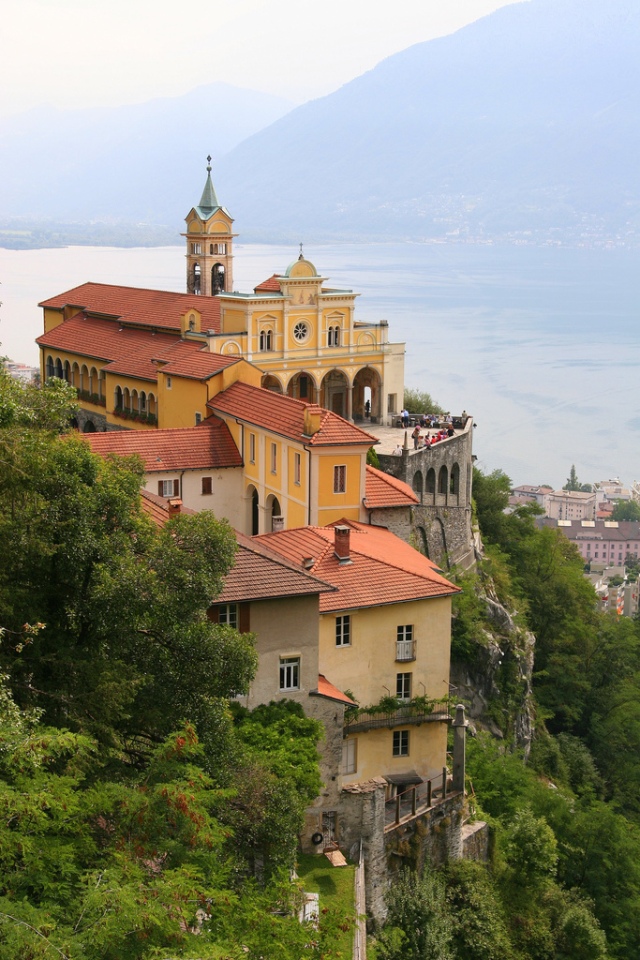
(541, 345)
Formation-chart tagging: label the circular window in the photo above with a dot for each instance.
(301, 331)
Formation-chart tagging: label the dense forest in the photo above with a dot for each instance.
(145, 815)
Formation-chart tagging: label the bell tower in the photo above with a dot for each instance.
(209, 244)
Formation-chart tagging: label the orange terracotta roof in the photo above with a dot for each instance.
(384, 569)
(106, 339)
(261, 574)
(383, 490)
(199, 366)
(159, 508)
(326, 689)
(133, 305)
(272, 285)
(207, 446)
(286, 416)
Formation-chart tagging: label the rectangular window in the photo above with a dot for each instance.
(198, 418)
(350, 756)
(304, 386)
(343, 631)
(252, 448)
(274, 458)
(168, 382)
(289, 673)
(297, 468)
(168, 488)
(228, 614)
(403, 686)
(207, 486)
(401, 743)
(339, 479)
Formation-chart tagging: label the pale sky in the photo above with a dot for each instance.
(85, 53)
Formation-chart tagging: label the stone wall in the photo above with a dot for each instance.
(331, 715)
(476, 841)
(441, 476)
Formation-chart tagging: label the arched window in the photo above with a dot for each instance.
(59, 372)
(333, 337)
(417, 483)
(50, 368)
(265, 340)
(134, 401)
(93, 380)
(67, 371)
(217, 278)
(143, 402)
(117, 398)
(454, 480)
(195, 282)
(430, 486)
(126, 399)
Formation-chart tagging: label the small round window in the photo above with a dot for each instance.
(301, 331)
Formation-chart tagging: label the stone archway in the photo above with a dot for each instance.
(269, 382)
(302, 386)
(335, 393)
(367, 395)
(253, 511)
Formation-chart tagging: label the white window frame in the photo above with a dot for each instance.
(400, 743)
(297, 469)
(404, 682)
(289, 673)
(228, 614)
(343, 630)
(340, 478)
(349, 756)
(274, 458)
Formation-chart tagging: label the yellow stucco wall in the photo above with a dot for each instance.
(374, 752)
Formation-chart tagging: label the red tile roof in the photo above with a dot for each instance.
(106, 340)
(261, 574)
(159, 509)
(384, 569)
(199, 366)
(286, 416)
(207, 446)
(383, 490)
(272, 285)
(326, 689)
(132, 305)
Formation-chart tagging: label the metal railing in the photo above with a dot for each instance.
(404, 716)
(417, 798)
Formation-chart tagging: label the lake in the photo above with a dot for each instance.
(541, 344)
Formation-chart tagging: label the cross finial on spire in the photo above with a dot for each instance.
(209, 164)
(301, 257)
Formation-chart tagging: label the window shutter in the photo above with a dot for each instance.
(213, 614)
(160, 489)
(244, 618)
(176, 488)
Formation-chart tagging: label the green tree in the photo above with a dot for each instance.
(419, 401)
(626, 510)
(573, 484)
(418, 921)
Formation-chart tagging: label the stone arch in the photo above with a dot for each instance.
(443, 480)
(438, 543)
(367, 394)
(416, 483)
(365, 342)
(89, 427)
(151, 405)
(84, 377)
(273, 510)
(142, 401)
(59, 372)
(271, 382)
(454, 483)
(93, 380)
(423, 543)
(195, 279)
(118, 398)
(252, 511)
(230, 348)
(67, 371)
(302, 386)
(50, 369)
(430, 485)
(75, 375)
(135, 401)
(126, 398)
(335, 393)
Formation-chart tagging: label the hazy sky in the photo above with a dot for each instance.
(79, 53)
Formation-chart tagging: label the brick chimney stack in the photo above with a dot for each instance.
(342, 543)
(175, 506)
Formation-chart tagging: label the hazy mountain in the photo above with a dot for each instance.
(141, 162)
(525, 122)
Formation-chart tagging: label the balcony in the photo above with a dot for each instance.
(405, 650)
(413, 713)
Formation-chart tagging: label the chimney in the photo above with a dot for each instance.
(312, 419)
(175, 506)
(342, 543)
(277, 524)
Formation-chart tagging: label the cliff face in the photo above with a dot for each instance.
(495, 681)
